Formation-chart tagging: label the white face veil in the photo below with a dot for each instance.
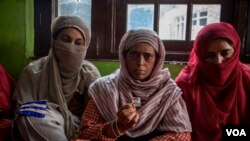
(58, 76)
(69, 56)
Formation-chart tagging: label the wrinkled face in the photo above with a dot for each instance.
(219, 51)
(140, 60)
(71, 35)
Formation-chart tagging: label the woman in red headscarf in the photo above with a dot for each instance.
(7, 85)
(215, 83)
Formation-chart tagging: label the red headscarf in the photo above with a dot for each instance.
(7, 85)
(216, 94)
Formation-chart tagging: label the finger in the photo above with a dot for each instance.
(127, 106)
(136, 118)
(126, 113)
(126, 119)
(131, 116)
(126, 109)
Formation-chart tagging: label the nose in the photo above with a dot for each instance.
(219, 59)
(140, 60)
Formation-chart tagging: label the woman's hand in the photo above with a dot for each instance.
(127, 117)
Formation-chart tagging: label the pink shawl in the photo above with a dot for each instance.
(158, 94)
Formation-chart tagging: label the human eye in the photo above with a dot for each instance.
(64, 39)
(79, 43)
(148, 56)
(210, 55)
(226, 53)
(134, 54)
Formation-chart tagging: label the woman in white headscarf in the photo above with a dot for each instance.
(52, 91)
(139, 101)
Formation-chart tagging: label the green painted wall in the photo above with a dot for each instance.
(16, 34)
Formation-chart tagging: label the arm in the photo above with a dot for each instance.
(93, 126)
(187, 95)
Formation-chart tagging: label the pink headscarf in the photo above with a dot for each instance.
(216, 94)
(157, 94)
(157, 76)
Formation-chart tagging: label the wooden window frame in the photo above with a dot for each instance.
(109, 25)
(245, 54)
(176, 50)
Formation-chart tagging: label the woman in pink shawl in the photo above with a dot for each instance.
(7, 86)
(52, 91)
(139, 101)
(215, 83)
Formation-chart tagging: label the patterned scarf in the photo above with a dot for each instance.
(157, 94)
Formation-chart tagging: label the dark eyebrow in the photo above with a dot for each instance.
(227, 49)
(65, 35)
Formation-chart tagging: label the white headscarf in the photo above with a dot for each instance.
(50, 77)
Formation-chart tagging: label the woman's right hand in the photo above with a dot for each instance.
(127, 117)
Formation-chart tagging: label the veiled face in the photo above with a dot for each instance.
(219, 51)
(71, 35)
(140, 60)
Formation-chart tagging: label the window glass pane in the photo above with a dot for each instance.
(140, 15)
(204, 14)
(194, 15)
(172, 21)
(81, 8)
(203, 22)
(194, 22)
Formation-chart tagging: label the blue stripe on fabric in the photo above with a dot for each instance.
(39, 108)
(33, 107)
(31, 113)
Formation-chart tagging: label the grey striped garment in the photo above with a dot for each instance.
(162, 106)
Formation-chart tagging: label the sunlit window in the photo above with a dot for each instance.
(140, 15)
(172, 21)
(203, 15)
(81, 8)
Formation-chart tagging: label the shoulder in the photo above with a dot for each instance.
(7, 81)
(246, 68)
(88, 67)
(246, 73)
(3, 72)
(2, 69)
(104, 87)
(36, 66)
(106, 80)
(172, 85)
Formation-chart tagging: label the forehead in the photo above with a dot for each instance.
(142, 47)
(219, 45)
(71, 31)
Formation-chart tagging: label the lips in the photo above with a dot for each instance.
(139, 72)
